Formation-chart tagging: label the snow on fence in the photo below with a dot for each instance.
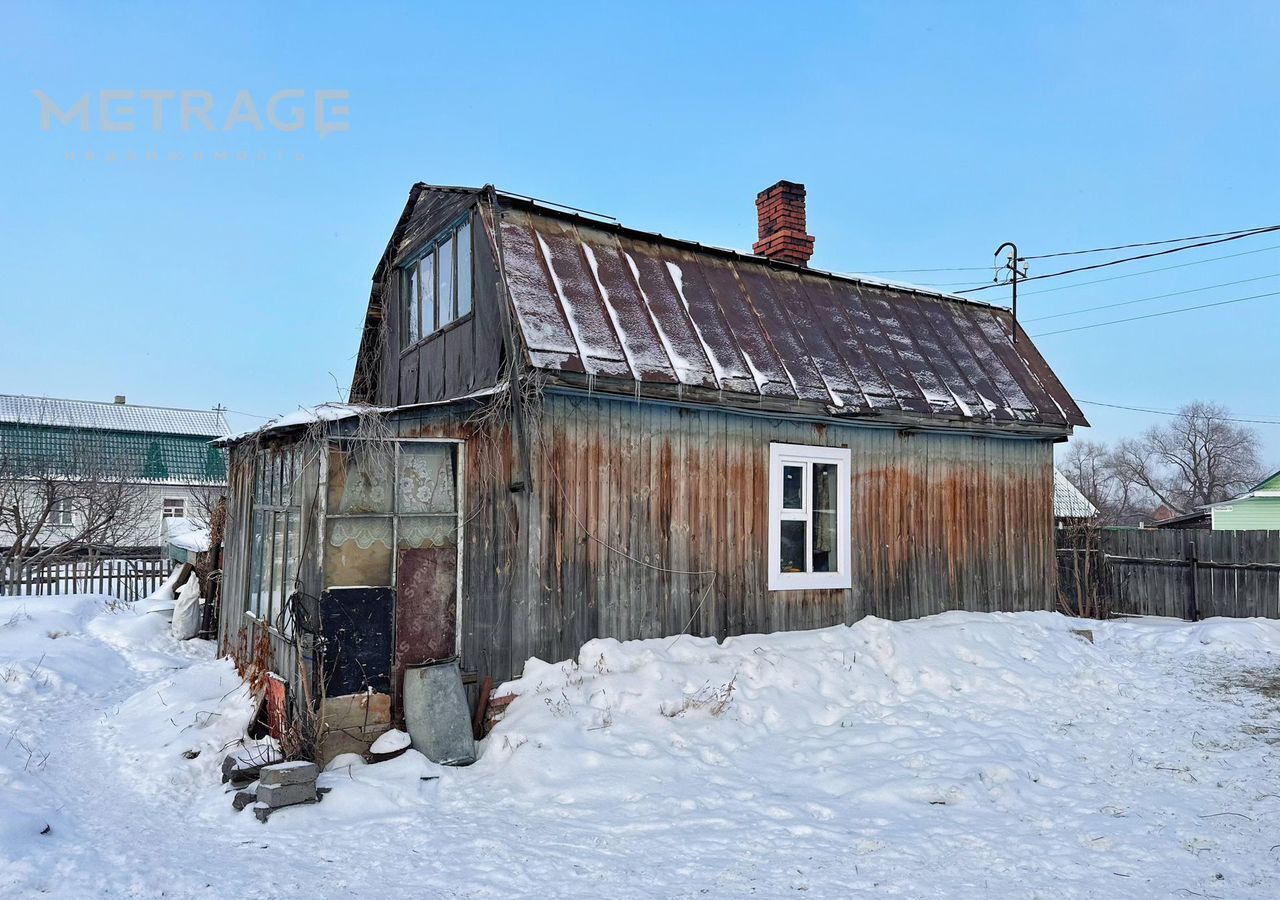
(1181, 572)
(125, 578)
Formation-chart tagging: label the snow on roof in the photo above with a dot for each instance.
(306, 415)
(334, 412)
(50, 411)
(595, 299)
(185, 533)
(1068, 502)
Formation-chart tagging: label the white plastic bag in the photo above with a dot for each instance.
(186, 614)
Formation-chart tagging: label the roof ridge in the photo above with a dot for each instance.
(610, 223)
(111, 403)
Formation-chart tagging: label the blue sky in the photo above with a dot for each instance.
(926, 134)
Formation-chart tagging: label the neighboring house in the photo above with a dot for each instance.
(166, 452)
(574, 429)
(1164, 518)
(1070, 507)
(1257, 509)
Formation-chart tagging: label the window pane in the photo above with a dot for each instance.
(255, 564)
(444, 277)
(291, 568)
(826, 495)
(793, 541)
(268, 565)
(411, 329)
(277, 566)
(358, 552)
(420, 532)
(427, 291)
(284, 574)
(426, 480)
(288, 458)
(464, 269)
(360, 478)
(793, 487)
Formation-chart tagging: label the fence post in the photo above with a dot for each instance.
(1193, 599)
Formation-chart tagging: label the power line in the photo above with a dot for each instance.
(1239, 232)
(1116, 262)
(907, 271)
(1207, 287)
(1195, 237)
(1167, 312)
(1166, 412)
(1196, 262)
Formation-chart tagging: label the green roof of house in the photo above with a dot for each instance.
(1271, 483)
(145, 456)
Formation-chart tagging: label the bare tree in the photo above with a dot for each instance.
(54, 507)
(1090, 466)
(1085, 465)
(1199, 457)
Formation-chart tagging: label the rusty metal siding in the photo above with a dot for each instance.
(623, 307)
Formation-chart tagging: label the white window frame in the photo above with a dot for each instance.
(63, 513)
(781, 455)
(179, 502)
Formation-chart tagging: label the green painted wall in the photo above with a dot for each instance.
(1257, 513)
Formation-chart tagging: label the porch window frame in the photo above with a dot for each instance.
(270, 484)
(805, 455)
(459, 475)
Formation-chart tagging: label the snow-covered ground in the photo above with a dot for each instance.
(962, 756)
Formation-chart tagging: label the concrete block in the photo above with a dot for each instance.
(297, 772)
(278, 795)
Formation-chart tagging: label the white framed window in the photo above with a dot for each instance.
(62, 513)
(809, 537)
(173, 508)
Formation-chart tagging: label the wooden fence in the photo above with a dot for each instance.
(125, 578)
(1187, 573)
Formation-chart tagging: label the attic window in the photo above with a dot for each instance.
(809, 509)
(436, 286)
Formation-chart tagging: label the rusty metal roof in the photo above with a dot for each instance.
(599, 301)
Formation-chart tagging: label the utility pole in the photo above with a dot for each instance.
(1017, 268)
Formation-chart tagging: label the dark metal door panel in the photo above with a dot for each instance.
(356, 626)
(426, 607)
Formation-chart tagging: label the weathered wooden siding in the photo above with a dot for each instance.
(1150, 572)
(465, 355)
(633, 494)
(644, 519)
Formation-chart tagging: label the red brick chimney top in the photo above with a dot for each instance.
(782, 224)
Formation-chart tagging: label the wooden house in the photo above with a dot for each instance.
(562, 428)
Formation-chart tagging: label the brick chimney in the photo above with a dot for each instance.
(782, 224)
